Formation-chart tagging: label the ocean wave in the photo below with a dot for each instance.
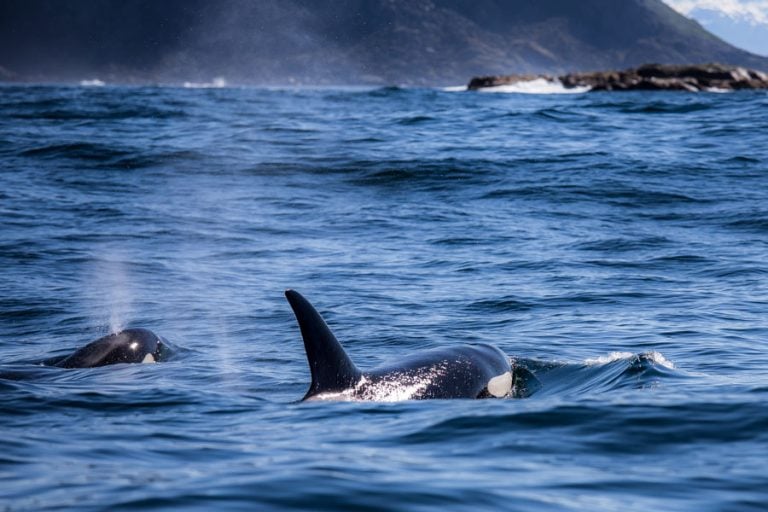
(77, 150)
(537, 86)
(216, 83)
(415, 120)
(668, 107)
(604, 428)
(420, 174)
(651, 357)
(501, 304)
(601, 375)
(624, 244)
(97, 155)
(749, 222)
(93, 82)
(104, 107)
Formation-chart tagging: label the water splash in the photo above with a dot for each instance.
(613, 356)
(654, 357)
(537, 86)
(216, 83)
(93, 82)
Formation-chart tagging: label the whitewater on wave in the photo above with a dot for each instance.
(655, 357)
(216, 83)
(537, 86)
(92, 82)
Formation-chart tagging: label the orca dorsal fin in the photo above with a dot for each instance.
(332, 369)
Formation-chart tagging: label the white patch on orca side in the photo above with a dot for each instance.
(501, 385)
(399, 387)
(149, 358)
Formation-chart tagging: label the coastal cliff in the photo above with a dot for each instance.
(648, 77)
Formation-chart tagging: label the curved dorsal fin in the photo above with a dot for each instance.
(332, 369)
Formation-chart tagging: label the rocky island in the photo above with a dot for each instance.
(648, 77)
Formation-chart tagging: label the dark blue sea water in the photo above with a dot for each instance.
(614, 244)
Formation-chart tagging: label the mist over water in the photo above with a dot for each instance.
(190, 42)
(114, 289)
(613, 245)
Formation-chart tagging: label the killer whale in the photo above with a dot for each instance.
(127, 346)
(464, 371)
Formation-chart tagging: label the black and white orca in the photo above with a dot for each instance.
(464, 371)
(127, 346)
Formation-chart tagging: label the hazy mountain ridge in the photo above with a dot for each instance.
(343, 41)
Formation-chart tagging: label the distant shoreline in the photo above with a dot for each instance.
(648, 77)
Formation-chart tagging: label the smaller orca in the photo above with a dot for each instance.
(127, 346)
(463, 371)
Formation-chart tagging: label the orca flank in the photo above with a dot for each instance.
(463, 371)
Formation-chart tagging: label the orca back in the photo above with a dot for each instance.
(462, 371)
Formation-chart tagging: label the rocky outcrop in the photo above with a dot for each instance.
(649, 77)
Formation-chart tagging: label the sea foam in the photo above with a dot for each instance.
(655, 357)
(216, 83)
(93, 82)
(537, 86)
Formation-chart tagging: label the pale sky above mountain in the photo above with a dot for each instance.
(743, 23)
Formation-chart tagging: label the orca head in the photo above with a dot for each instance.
(127, 346)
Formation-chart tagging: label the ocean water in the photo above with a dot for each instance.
(614, 244)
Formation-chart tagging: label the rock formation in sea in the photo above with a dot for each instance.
(648, 77)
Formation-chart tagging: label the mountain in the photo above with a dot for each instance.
(427, 42)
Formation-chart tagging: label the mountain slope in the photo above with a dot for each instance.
(343, 41)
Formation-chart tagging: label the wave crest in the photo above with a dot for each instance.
(652, 357)
(537, 86)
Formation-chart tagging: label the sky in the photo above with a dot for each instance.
(743, 23)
